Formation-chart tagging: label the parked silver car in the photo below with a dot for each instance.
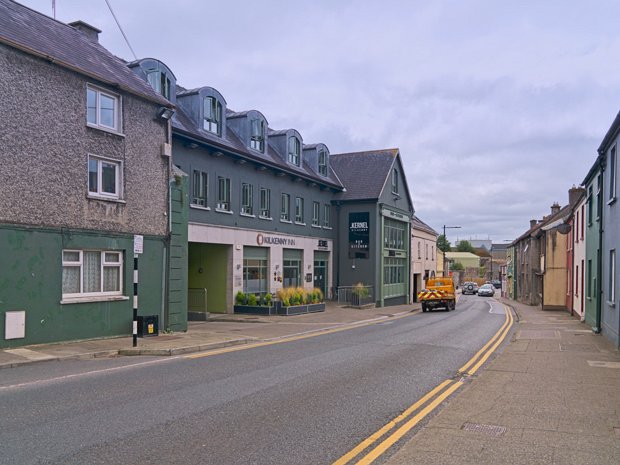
(486, 290)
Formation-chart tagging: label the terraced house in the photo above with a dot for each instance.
(82, 173)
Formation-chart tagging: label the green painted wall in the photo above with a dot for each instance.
(31, 280)
(208, 268)
(177, 256)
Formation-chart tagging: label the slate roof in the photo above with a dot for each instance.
(182, 124)
(40, 35)
(363, 173)
(421, 225)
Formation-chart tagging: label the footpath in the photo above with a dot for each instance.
(551, 395)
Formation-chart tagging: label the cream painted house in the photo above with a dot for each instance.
(423, 255)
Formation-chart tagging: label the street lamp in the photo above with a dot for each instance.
(445, 242)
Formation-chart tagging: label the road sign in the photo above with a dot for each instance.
(138, 244)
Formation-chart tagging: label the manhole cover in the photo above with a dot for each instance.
(489, 430)
(568, 347)
(538, 334)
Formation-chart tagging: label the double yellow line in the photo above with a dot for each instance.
(405, 422)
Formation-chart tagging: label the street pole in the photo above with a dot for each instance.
(445, 242)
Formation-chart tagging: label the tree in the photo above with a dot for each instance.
(443, 244)
(457, 266)
(465, 246)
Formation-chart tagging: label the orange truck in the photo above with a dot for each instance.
(439, 293)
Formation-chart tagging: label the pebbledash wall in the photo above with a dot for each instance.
(46, 207)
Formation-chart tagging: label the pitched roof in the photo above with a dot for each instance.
(64, 45)
(421, 225)
(363, 173)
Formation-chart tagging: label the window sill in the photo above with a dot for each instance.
(268, 218)
(316, 226)
(247, 215)
(105, 199)
(327, 227)
(286, 221)
(200, 207)
(105, 129)
(300, 224)
(228, 212)
(93, 298)
(611, 201)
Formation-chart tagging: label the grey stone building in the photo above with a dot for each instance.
(81, 173)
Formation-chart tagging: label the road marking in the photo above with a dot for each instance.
(299, 337)
(86, 373)
(505, 327)
(438, 394)
(400, 432)
(390, 425)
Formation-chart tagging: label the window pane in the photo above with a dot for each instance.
(112, 257)
(107, 110)
(92, 272)
(70, 279)
(71, 256)
(111, 278)
(108, 177)
(91, 106)
(93, 185)
(154, 80)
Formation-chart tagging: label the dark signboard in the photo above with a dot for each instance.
(359, 232)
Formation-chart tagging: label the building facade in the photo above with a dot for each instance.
(601, 184)
(423, 255)
(82, 174)
(373, 217)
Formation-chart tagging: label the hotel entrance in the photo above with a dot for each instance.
(321, 266)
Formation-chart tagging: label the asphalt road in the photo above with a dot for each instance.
(303, 402)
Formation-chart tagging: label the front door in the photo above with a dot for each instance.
(320, 275)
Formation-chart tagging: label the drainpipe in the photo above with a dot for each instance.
(599, 253)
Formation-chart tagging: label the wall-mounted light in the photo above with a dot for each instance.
(238, 266)
(165, 113)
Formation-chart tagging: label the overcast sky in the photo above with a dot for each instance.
(497, 107)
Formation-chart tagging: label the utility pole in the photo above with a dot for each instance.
(446, 241)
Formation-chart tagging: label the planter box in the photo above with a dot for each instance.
(254, 309)
(299, 309)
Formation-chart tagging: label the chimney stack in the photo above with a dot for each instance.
(555, 208)
(574, 193)
(91, 32)
(533, 223)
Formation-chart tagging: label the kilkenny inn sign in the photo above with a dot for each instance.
(263, 239)
(359, 235)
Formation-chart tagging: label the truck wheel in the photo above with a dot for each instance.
(453, 306)
(424, 307)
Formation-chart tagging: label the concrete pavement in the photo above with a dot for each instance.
(551, 397)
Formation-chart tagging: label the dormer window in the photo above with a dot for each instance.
(257, 137)
(212, 118)
(294, 151)
(160, 82)
(323, 163)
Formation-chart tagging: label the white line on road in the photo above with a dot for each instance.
(86, 373)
